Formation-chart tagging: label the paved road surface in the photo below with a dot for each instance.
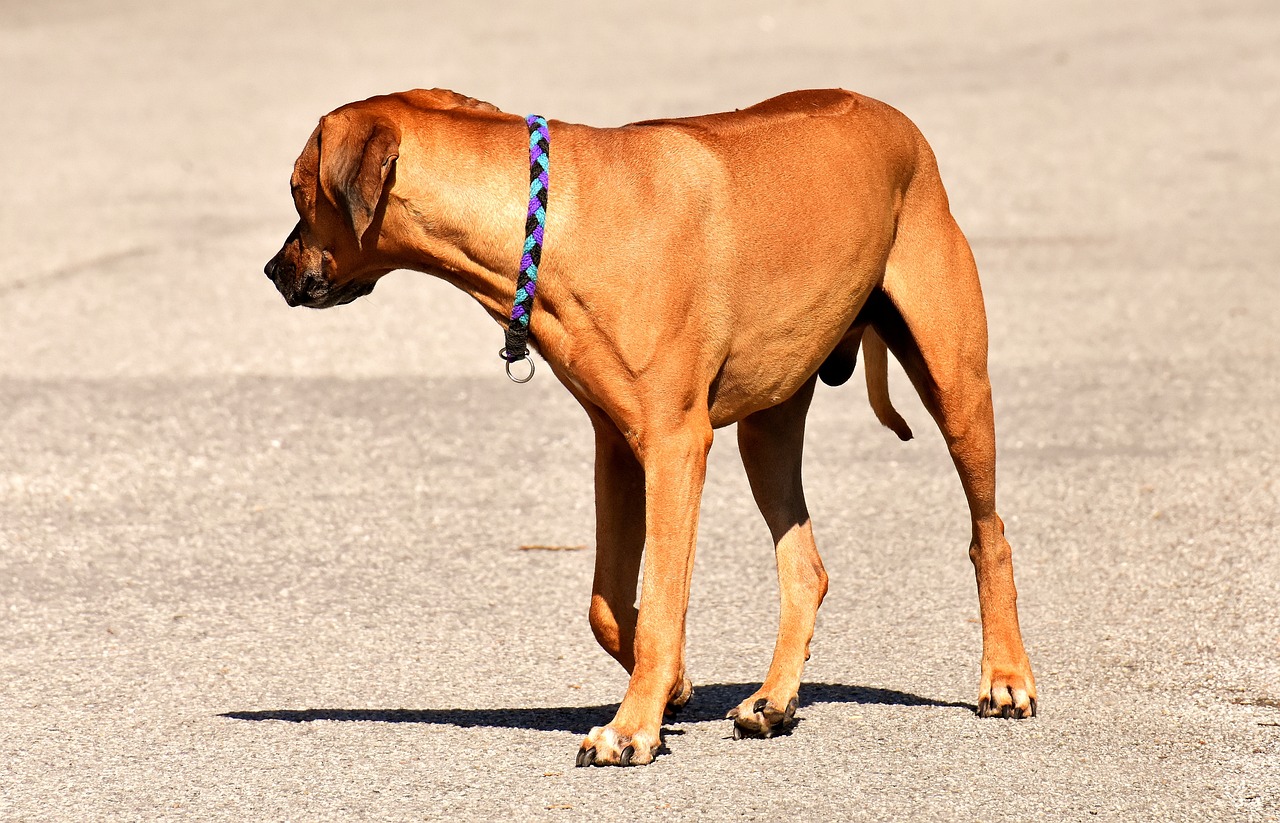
(264, 564)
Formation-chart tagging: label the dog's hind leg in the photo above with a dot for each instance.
(931, 314)
(771, 442)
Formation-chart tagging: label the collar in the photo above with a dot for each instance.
(517, 342)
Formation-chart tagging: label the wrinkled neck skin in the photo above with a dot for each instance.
(458, 206)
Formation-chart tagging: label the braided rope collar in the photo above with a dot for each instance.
(517, 347)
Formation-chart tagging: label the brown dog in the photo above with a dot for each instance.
(697, 272)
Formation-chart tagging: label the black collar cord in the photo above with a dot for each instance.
(517, 347)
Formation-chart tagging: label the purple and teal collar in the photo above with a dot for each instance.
(517, 347)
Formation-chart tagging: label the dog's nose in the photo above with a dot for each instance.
(270, 269)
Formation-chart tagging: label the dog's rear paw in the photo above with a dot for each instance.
(1008, 692)
(761, 717)
(679, 699)
(606, 746)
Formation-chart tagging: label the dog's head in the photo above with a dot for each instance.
(340, 185)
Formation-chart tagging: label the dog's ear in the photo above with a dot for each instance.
(357, 152)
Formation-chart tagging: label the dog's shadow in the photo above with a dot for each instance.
(708, 703)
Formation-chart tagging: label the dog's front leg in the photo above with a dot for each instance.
(619, 544)
(675, 464)
(619, 541)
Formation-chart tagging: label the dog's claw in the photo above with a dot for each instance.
(606, 746)
(1008, 706)
(1007, 690)
(762, 718)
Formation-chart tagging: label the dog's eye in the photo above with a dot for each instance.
(299, 196)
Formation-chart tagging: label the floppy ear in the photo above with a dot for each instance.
(357, 152)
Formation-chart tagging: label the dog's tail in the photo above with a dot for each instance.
(876, 363)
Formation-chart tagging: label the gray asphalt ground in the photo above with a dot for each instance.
(263, 564)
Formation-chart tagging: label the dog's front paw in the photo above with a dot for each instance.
(607, 746)
(1007, 691)
(759, 716)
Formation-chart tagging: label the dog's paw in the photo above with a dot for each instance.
(1007, 691)
(761, 717)
(679, 698)
(606, 746)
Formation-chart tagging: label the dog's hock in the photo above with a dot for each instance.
(357, 154)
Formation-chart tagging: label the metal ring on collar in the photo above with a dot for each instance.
(513, 378)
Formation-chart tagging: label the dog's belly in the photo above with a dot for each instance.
(805, 234)
(749, 387)
(767, 364)
(791, 310)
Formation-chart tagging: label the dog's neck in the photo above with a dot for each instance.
(457, 212)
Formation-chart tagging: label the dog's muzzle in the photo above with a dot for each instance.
(311, 290)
